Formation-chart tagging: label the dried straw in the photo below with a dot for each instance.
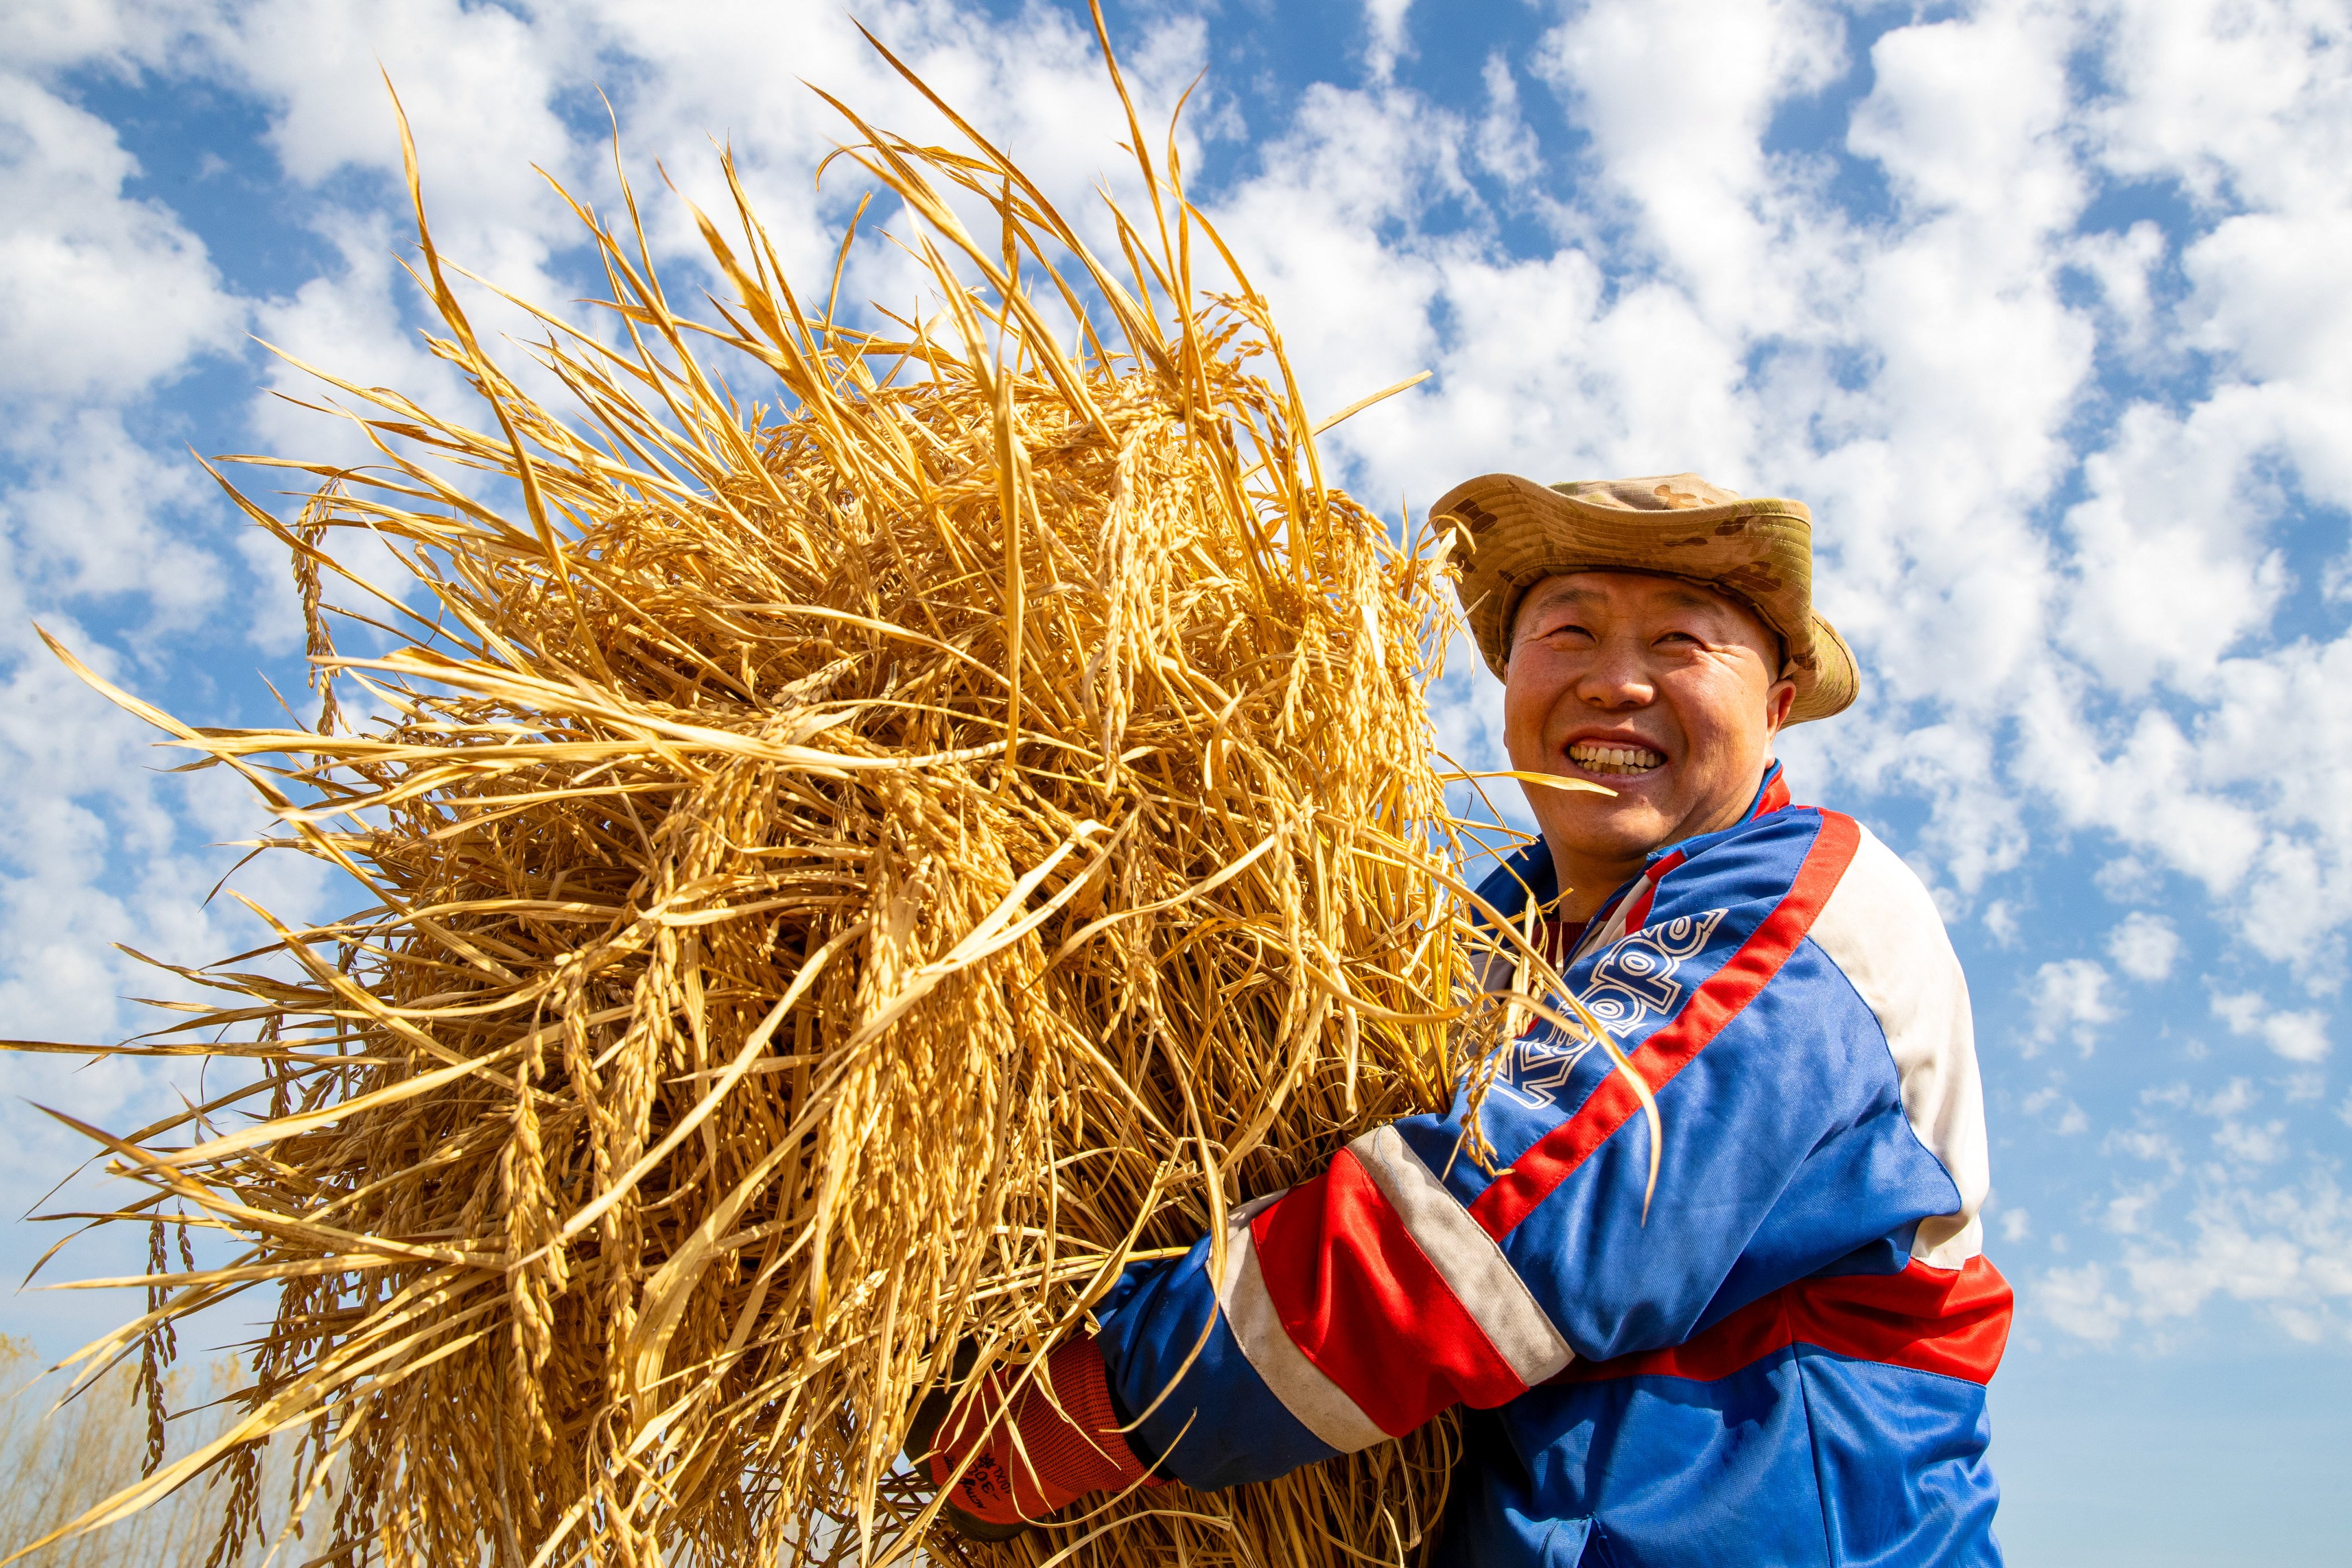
(841, 881)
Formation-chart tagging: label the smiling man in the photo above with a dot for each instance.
(1780, 1357)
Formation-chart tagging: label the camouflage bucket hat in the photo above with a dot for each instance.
(1510, 533)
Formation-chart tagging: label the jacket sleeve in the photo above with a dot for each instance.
(1814, 1122)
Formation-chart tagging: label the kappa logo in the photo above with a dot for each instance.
(1633, 981)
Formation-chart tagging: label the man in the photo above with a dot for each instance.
(1782, 1360)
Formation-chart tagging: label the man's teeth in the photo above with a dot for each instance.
(1599, 759)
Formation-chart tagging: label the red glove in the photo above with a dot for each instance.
(1033, 1457)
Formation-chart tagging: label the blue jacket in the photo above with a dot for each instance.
(1785, 1364)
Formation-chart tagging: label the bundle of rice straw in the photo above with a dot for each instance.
(842, 879)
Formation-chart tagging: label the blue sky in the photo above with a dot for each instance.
(2038, 306)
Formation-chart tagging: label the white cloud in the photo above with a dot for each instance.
(2235, 102)
(2068, 996)
(356, 324)
(2173, 562)
(475, 81)
(2127, 1209)
(2079, 1302)
(107, 294)
(1506, 146)
(2144, 946)
(111, 299)
(1386, 42)
(2120, 264)
(99, 849)
(1676, 97)
(95, 513)
(2299, 1037)
(2262, 1145)
(2179, 569)
(2145, 1144)
(2128, 879)
(2070, 1118)
(2281, 1250)
(1968, 115)
(2234, 1098)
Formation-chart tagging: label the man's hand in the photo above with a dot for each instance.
(1054, 1439)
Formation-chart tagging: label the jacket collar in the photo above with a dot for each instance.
(1532, 865)
(1771, 795)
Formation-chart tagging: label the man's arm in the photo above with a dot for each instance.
(1406, 1278)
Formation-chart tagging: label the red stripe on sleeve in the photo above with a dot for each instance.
(1362, 1303)
(1556, 1155)
(1949, 1321)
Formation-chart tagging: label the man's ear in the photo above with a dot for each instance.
(1777, 703)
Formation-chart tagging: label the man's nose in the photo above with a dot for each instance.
(1617, 677)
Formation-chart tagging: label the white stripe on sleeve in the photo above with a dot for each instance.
(1319, 1403)
(1881, 928)
(1466, 1256)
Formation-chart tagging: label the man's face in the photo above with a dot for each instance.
(1663, 691)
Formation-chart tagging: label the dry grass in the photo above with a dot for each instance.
(840, 877)
(57, 1460)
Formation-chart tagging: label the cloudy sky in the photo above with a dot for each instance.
(2038, 306)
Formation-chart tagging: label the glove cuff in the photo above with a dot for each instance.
(1080, 1446)
(1057, 1439)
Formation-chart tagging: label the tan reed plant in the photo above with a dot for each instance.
(847, 868)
